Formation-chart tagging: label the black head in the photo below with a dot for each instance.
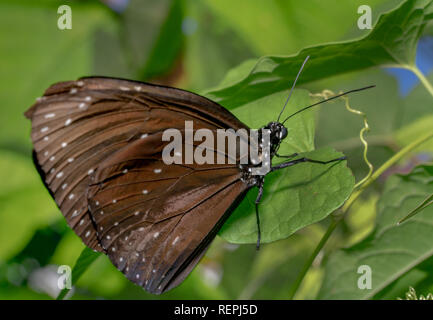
(278, 133)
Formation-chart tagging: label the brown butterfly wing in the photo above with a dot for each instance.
(98, 148)
(156, 220)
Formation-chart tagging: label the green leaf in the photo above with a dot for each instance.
(409, 133)
(167, 45)
(86, 258)
(427, 202)
(391, 250)
(291, 24)
(392, 42)
(294, 197)
(275, 266)
(206, 59)
(143, 44)
(419, 278)
(297, 196)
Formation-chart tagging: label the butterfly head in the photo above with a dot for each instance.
(278, 132)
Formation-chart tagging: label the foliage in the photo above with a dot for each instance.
(391, 249)
(392, 42)
(411, 295)
(246, 63)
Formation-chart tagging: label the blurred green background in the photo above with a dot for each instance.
(190, 44)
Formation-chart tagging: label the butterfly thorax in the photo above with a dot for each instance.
(277, 133)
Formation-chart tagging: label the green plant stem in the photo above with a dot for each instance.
(417, 72)
(422, 78)
(337, 218)
(312, 257)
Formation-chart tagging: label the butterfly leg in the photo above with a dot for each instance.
(288, 156)
(259, 197)
(300, 160)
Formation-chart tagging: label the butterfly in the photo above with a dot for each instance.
(98, 149)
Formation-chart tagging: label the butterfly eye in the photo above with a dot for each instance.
(282, 133)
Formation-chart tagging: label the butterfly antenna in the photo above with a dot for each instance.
(293, 87)
(329, 99)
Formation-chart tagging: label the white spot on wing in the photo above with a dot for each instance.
(145, 191)
(59, 175)
(68, 122)
(175, 240)
(64, 144)
(64, 187)
(50, 115)
(156, 234)
(144, 135)
(71, 196)
(44, 129)
(73, 90)
(157, 170)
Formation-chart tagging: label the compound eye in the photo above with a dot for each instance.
(282, 133)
